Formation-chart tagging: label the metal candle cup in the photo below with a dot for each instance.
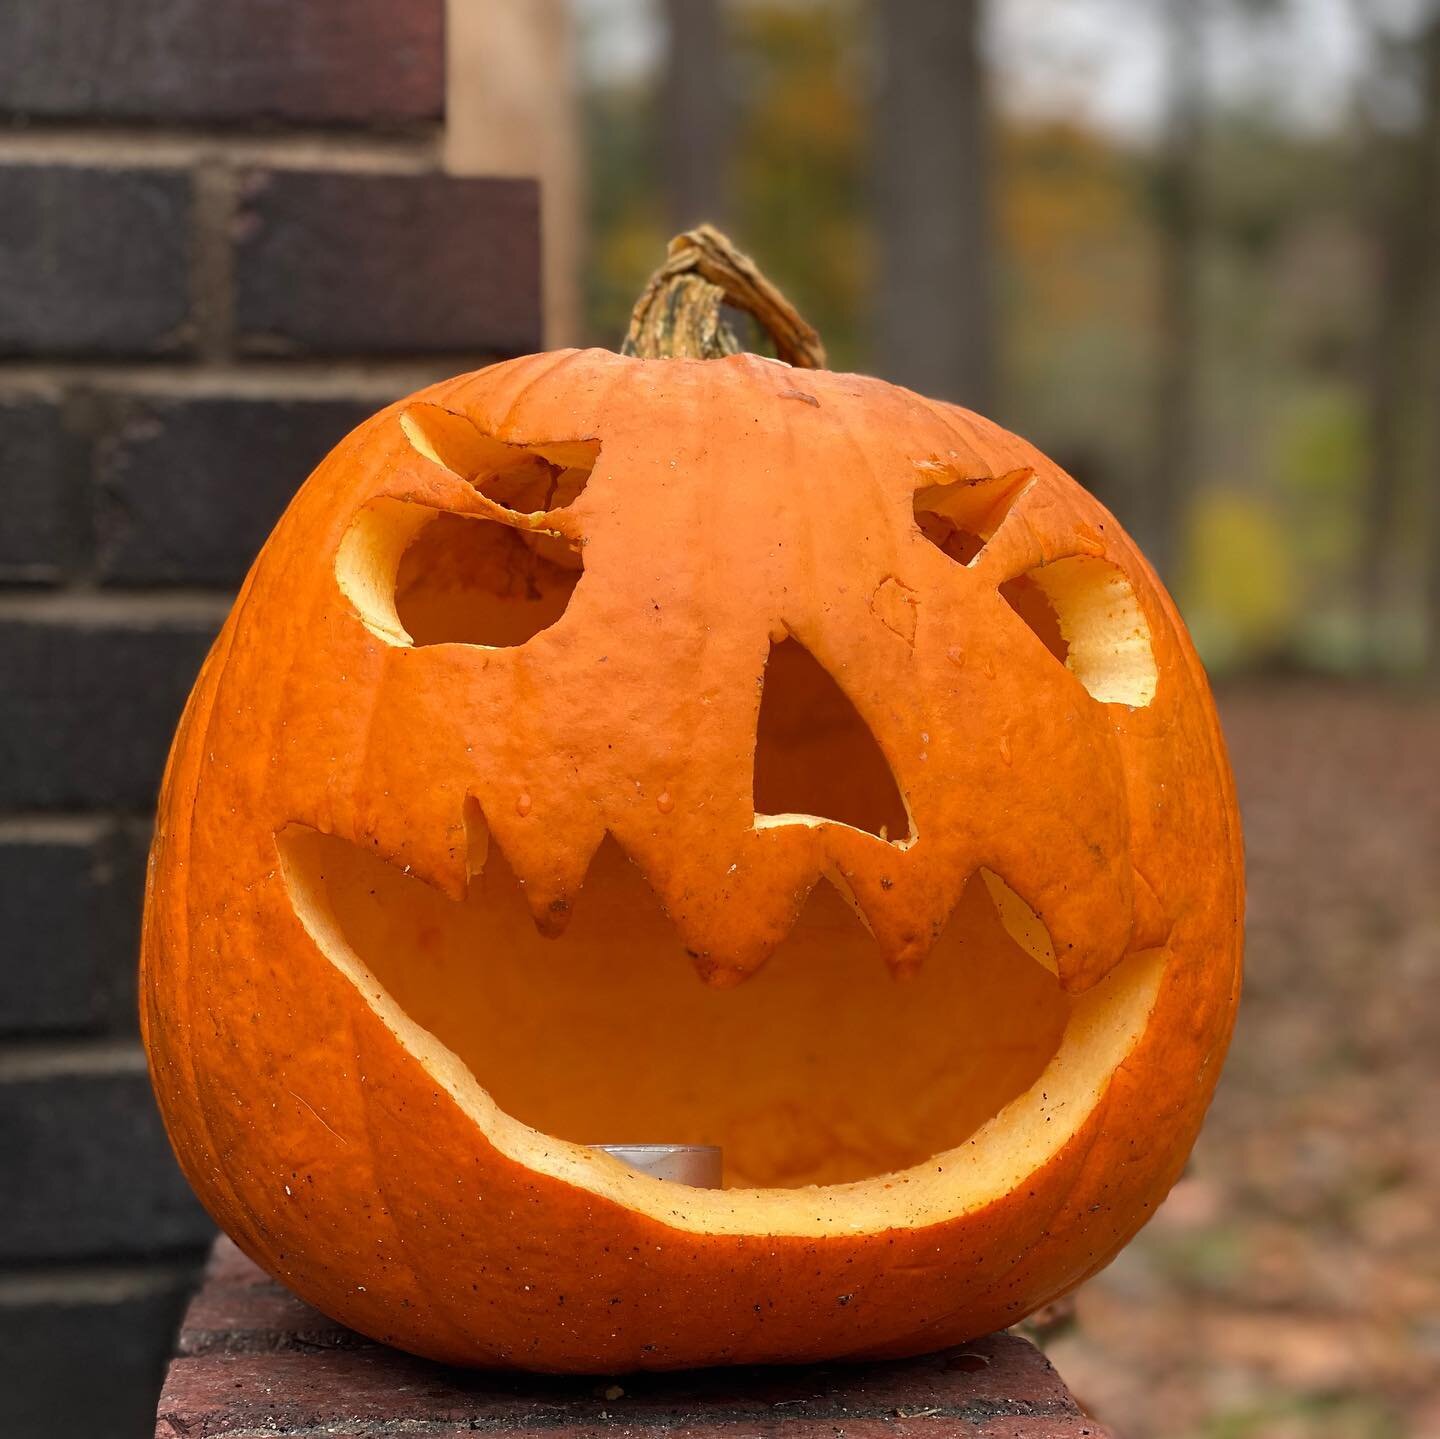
(698, 1165)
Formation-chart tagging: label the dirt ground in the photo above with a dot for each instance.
(1290, 1286)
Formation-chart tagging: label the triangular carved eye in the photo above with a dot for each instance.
(815, 757)
(421, 576)
(526, 478)
(472, 581)
(1025, 596)
(1085, 612)
(1082, 608)
(958, 516)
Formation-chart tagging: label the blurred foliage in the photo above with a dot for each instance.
(1076, 273)
(627, 225)
(1238, 580)
(1345, 1416)
(800, 159)
(797, 185)
(1274, 567)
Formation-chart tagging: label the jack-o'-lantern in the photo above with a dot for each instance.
(717, 751)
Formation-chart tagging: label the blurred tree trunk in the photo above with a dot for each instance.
(1167, 487)
(1400, 246)
(1430, 230)
(695, 123)
(1398, 195)
(935, 322)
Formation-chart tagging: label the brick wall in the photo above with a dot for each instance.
(225, 237)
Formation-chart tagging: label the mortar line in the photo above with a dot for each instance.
(85, 603)
(187, 147)
(105, 1281)
(307, 377)
(39, 828)
(53, 1057)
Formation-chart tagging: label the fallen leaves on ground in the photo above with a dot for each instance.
(1290, 1286)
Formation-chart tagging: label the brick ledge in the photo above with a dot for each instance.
(251, 1358)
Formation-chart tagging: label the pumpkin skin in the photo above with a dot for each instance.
(326, 765)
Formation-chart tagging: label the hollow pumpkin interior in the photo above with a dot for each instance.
(539, 1049)
(820, 1069)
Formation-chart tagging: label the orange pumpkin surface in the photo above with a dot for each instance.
(608, 750)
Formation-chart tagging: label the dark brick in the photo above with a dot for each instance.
(92, 261)
(43, 463)
(344, 61)
(88, 1172)
(70, 914)
(83, 1356)
(120, 947)
(337, 263)
(190, 488)
(87, 709)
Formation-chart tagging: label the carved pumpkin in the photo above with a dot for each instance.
(702, 751)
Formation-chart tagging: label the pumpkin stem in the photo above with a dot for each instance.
(679, 314)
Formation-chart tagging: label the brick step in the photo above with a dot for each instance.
(251, 1358)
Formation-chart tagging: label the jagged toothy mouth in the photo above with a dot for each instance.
(822, 1069)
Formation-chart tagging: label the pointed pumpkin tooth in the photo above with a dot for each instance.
(476, 832)
(1063, 886)
(550, 866)
(436, 852)
(724, 957)
(730, 943)
(903, 907)
(1021, 922)
(552, 916)
(907, 966)
(1151, 927)
(718, 975)
(1088, 928)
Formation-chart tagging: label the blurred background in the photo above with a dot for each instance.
(1191, 248)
